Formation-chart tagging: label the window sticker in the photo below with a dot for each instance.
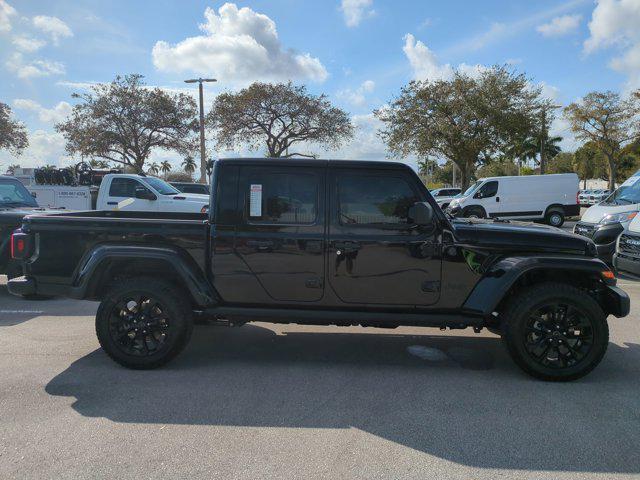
(255, 200)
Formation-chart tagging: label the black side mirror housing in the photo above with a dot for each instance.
(421, 213)
(144, 194)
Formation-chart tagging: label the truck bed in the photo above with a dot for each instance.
(63, 239)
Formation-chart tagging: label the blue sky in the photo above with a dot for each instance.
(359, 52)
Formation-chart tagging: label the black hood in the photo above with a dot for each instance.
(508, 236)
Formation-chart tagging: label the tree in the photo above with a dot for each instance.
(465, 119)
(178, 176)
(531, 148)
(13, 134)
(124, 121)
(563, 162)
(587, 162)
(165, 167)
(95, 163)
(11, 169)
(609, 122)
(189, 165)
(498, 168)
(279, 115)
(154, 168)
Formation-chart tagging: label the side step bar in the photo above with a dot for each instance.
(322, 317)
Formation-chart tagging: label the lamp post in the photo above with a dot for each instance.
(203, 159)
(543, 136)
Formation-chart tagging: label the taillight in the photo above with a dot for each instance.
(20, 245)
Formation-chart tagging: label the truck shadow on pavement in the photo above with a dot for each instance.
(458, 398)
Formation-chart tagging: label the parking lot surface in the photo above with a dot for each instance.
(266, 401)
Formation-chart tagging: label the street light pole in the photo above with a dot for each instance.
(203, 154)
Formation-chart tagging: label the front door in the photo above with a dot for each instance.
(281, 235)
(122, 196)
(376, 256)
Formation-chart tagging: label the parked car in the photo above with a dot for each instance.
(604, 222)
(583, 197)
(15, 203)
(443, 196)
(596, 196)
(626, 258)
(324, 242)
(551, 198)
(185, 187)
(131, 192)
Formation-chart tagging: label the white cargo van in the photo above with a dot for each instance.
(551, 198)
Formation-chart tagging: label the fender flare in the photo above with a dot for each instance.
(185, 268)
(503, 274)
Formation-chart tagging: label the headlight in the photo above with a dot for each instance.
(205, 209)
(453, 203)
(621, 217)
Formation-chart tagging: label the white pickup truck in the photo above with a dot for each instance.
(121, 191)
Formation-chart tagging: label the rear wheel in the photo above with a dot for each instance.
(556, 332)
(555, 218)
(144, 323)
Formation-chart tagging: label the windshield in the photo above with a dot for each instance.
(162, 187)
(471, 189)
(13, 194)
(627, 194)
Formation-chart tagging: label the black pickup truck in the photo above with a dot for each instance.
(15, 203)
(324, 242)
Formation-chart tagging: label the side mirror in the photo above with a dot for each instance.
(421, 213)
(145, 194)
(34, 195)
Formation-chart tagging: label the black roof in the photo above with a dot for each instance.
(317, 162)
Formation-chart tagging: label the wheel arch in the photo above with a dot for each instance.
(107, 264)
(507, 276)
(554, 207)
(470, 208)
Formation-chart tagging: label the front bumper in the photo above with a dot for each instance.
(617, 302)
(627, 265)
(604, 236)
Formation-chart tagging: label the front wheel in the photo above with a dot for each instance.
(555, 219)
(144, 323)
(555, 332)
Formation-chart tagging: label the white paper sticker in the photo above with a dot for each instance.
(255, 200)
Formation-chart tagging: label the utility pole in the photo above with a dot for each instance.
(203, 154)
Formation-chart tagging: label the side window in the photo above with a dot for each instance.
(282, 198)
(374, 200)
(487, 190)
(124, 187)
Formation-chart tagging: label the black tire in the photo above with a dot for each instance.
(555, 218)
(474, 212)
(583, 333)
(133, 307)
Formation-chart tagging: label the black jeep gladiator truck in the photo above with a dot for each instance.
(324, 242)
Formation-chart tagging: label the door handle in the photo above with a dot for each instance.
(348, 246)
(261, 244)
(112, 203)
(497, 199)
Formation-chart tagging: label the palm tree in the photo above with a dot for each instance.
(165, 168)
(531, 147)
(153, 169)
(11, 169)
(189, 165)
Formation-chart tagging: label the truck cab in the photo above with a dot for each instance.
(131, 192)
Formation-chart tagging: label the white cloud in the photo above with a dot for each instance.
(28, 44)
(238, 45)
(44, 148)
(426, 66)
(33, 68)
(560, 26)
(47, 115)
(52, 26)
(6, 11)
(357, 97)
(355, 10)
(614, 24)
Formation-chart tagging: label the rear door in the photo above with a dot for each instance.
(281, 236)
(375, 256)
